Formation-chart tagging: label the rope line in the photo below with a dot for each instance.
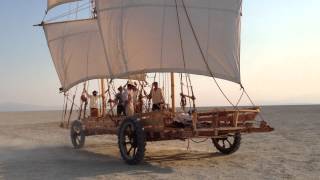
(253, 104)
(240, 97)
(180, 36)
(70, 12)
(203, 56)
(201, 141)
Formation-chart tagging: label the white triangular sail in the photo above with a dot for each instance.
(53, 3)
(144, 36)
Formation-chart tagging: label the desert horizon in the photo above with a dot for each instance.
(24, 107)
(33, 145)
(160, 89)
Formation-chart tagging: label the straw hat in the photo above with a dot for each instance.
(130, 83)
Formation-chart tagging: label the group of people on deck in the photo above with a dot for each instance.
(129, 100)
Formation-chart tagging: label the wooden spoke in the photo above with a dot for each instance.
(228, 142)
(134, 150)
(130, 150)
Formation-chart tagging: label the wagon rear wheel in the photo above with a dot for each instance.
(229, 144)
(77, 135)
(131, 141)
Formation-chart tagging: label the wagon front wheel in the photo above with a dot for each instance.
(228, 144)
(77, 135)
(131, 141)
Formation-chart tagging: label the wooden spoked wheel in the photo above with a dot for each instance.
(228, 144)
(131, 141)
(77, 135)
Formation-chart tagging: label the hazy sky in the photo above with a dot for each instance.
(279, 55)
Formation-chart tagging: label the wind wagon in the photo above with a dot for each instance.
(133, 39)
(224, 127)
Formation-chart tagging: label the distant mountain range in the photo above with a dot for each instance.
(12, 106)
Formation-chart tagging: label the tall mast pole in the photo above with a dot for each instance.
(173, 94)
(103, 97)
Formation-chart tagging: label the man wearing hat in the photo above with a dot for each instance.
(94, 98)
(157, 97)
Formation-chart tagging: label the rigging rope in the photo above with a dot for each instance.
(70, 12)
(201, 141)
(240, 97)
(70, 100)
(183, 100)
(203, 56)
(188, 90)
(180, 36)
(252, 103)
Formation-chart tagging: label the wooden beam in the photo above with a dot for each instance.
(173, 94)
(104, 105)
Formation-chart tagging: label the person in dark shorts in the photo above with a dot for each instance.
(157, 97)
(120, 101)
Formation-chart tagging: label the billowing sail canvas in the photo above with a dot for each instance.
(131, 37)
(54, 3)
(77, 52)
(157, 36)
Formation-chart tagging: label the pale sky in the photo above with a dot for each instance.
(279, 55)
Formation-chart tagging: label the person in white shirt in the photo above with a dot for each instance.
(94, 99)
(130, 99)
(136, 101)
(157, 97)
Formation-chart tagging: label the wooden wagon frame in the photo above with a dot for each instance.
(223, 126)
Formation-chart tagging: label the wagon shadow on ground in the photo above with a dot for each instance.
(175, 156)
(155, 155)
(66, 163)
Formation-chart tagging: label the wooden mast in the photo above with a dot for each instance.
(110, 102)
(173, 94)
(103, 97)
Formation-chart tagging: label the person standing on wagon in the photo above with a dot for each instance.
(120, 101)
(130, 96)
(157, 97)
(94, 98)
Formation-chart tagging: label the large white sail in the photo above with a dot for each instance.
(77, 52)
(135, 37)
(54, 3)
(157, 36)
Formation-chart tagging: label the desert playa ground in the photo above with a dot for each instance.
(32, 146)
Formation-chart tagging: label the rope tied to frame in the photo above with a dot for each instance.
(203, 56)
